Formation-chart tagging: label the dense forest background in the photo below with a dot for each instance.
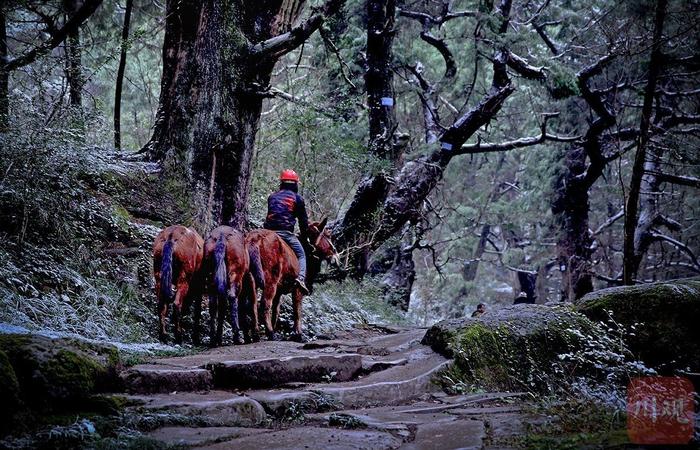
(466, 151)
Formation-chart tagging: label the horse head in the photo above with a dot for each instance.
(320, 240)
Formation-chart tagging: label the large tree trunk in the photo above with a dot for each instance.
(632, 258)
(354, 229)
(416, 179)
(120, 76)
(74, 65)
(470, 268)
(4, 74)
(217, 62)
(570, 208)
(398, 281)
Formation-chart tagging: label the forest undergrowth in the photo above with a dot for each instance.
(78, 232)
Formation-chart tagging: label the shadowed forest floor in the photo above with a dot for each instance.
(370, 387)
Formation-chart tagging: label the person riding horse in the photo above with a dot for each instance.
(284, 207)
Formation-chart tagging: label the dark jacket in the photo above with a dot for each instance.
(283, 208)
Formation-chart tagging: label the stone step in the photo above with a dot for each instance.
(278, 371)
(386, 392)
(153, 379)
(218, 408)
(395, 386)
(370, 365)
(199, 436)
(311, 438)
(443, 422)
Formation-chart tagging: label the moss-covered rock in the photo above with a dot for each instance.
(53, 374)
(664, 318)
(9, 393)
(534, 348)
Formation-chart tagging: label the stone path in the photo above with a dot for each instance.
(371, 387)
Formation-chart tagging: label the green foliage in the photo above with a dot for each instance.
(346, 421)
(573, 423)
(563, 82)
(659, 317)
(295, 411)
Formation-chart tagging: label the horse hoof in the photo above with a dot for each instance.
(237, 340)
(299, 337)
(274, 337)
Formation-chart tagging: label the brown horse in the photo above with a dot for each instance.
(226, 264)
(177, 260)
(280, 268)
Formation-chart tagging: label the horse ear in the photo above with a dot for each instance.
(322, 225)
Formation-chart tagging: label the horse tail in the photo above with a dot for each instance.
(256, 265)
(166, 272)
(220, 275)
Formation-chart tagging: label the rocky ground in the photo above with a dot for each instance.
(371, 387)
(526, 376)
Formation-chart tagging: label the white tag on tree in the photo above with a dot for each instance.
(387, 101)
(446, 146)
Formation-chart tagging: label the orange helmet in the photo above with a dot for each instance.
(289, 175)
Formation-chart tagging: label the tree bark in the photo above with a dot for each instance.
(398, 281)
(417, 179)
(353, 231)
(217, 63)
(631, 259)
(570, 208)
(528, 284)
(120, 75)
(4, 75)
(74, 66)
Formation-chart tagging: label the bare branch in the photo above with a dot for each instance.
(286, 42)
(611, 220)
(526, 70)
(676, 179)
(439, 44)
(518, 143)
(336, 52)
(81, 15)
(466, 126)
(678, 244)
(546, 39)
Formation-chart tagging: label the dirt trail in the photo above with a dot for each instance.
(371, 387)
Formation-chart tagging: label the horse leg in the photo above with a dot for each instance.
(276, 303)
(297, 298)
(180, 296)
(220, 317)
(233, 305)
(213, 305)
(197, 317)
(268, 295)
(244, 302)
(196, 299)
(254, 316)
(162, 315)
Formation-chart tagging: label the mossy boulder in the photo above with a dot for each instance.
(9, 390)
(533, 348)
(53, 374)
(663, 320)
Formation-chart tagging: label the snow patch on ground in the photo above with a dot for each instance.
(141, 348)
